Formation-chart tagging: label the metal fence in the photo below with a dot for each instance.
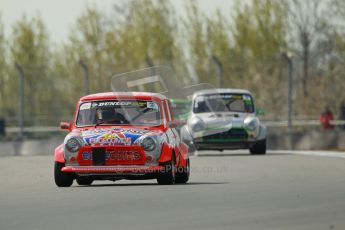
(283, 124)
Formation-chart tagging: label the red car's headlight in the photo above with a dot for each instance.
(73, 144)
(148, 143)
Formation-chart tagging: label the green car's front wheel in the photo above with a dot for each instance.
(259, 148)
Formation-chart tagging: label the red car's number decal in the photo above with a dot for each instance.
(122, 155)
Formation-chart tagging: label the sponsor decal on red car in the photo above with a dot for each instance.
(110, 137)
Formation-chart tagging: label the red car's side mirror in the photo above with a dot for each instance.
(65, 125)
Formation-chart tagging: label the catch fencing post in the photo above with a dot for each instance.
(220, 71)
(20, 72)
(86, 77)
(288, 56)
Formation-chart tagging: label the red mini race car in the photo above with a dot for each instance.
(121, 136)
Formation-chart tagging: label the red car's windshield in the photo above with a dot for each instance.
(119, 112)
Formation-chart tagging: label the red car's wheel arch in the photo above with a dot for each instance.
(59, 154)
(184, 154)
(167, 152)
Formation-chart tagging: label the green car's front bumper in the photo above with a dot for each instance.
(235, 138)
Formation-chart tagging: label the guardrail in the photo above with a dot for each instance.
(295, 123)
(300, 123)
(34, 129)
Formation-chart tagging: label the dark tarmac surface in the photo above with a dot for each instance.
(239, 191)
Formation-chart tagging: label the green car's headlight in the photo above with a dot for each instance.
(251, 124)
(196, 124)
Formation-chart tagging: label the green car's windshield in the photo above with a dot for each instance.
(223, 102)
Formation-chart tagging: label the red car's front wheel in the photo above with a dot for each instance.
(84, 180)
(62, 179)
(167, 175)
(182, 174)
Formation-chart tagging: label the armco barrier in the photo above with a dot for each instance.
(283, 123)
(276, 140)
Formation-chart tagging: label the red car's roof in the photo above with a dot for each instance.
(123, 95)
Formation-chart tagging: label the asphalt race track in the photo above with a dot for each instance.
(238, 191)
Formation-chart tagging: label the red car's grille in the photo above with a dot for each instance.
(114, 155)
(98, 156)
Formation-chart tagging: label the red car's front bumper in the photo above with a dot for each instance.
(112, 169)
